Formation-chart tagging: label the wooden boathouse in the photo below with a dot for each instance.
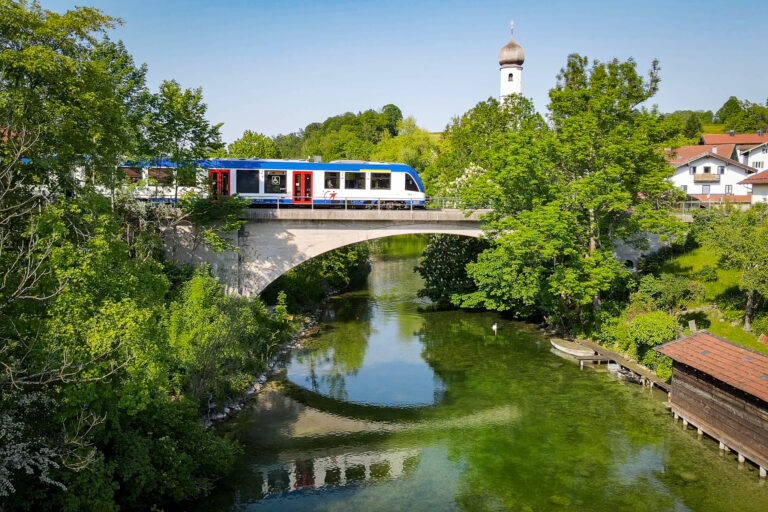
(722, 389)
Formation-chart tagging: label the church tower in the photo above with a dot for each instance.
(511, 58)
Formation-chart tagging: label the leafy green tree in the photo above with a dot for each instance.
(693, 127)
(179, 131)
(252, 145)
(412, 146)
(669, 292)
(753, 117)
(443, 267)
(597, 176)
(740, 240)
(730, 108)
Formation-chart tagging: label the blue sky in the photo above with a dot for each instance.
(275, 66)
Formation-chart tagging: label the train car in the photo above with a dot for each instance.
(341, 183)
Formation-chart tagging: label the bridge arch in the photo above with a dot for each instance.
(274, 241)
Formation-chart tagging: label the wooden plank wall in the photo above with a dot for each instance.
(729, 415)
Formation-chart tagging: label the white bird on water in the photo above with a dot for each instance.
(494, 327)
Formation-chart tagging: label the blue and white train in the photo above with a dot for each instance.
(344, 183)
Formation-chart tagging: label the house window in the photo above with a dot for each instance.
(692, 169)
(728, 189)
(685, 188)
(381, 180)
(705, 189)
(354, 180)
(765, 151)
(332, 179)
(247, 181)
(707, 169)
(720, 169)
(275, 182)
(511, 77)
(759, 164)
(410, 183)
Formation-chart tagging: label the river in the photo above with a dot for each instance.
(390, 408)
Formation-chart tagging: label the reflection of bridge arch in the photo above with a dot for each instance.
(350, 410)
(337, 470)
(275, 241)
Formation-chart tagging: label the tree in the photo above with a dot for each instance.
(729, 109)
(253, 145)
(412, 146)
(693, 127)
(753, 117)
(740, 240)
(597, 176)
(179, 131)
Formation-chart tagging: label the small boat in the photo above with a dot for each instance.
(571, 347)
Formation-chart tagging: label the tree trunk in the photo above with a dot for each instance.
(748, 311)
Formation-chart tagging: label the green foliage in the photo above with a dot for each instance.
(693, 127)
(563, 194)
(443, 267)
(760, 323)
(251, 145)
(708, 274)
(411, 146)
(731, 108)
(213, 218)
(669, 292)
(743, 116)
(740, 241)
(218, 343)
(306, 285)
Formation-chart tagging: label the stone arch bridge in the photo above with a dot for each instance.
(274, 241)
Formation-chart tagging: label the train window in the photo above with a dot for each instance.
(247, 181)
(163, 177)
(275, 182)
(381, 181)
(354, 180)
(410, 183)
(332, 179)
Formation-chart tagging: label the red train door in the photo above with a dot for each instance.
(302, 187)
(219, 183)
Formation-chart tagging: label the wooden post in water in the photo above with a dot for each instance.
(763, 472)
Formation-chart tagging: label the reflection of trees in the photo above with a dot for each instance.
(340, 349)
(581, 441)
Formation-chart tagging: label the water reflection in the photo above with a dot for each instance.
(505, 424)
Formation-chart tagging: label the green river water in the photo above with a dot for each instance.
(391, 408)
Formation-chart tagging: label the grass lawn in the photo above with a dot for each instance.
(690, 263)
(727, 283)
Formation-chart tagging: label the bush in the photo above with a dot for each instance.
(667, 292)
(650, 330)
(760, 323)
(708, 274)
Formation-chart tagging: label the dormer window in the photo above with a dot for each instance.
(692, 169)
(510, 77)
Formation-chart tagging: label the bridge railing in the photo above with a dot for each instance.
(389, 203)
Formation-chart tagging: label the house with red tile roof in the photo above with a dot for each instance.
(758, 183)
(709, 173)
(734, 138)
(721, 388)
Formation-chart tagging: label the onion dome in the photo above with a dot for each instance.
(511, 54)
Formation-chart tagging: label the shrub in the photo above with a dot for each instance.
(760, 323)
(650, 330)
(708, 274)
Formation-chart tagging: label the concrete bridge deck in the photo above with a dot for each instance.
(273, 241)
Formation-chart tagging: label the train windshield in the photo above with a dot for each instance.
(410, 183)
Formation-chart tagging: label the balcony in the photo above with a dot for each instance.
(706, 178)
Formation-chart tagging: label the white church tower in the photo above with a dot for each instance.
(511, 58)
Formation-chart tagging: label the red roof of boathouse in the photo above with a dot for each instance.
(737, 366)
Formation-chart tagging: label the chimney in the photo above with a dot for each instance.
(730, 132)
(759, 133)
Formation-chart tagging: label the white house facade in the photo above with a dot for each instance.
(755, 156)
(711, 176)
(759, 186)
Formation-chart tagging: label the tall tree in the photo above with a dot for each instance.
(179, 130)
(693, 127)
(598, 175)
(411, 145)
(729, 109)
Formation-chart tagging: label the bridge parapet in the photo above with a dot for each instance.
(274, 241)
